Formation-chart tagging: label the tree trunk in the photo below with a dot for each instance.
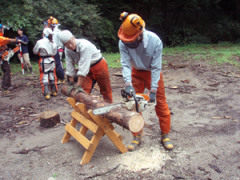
(130, 120)
(49, 119)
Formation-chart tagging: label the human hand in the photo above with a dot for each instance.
(130, 90)
(79, 89)
(152, 96)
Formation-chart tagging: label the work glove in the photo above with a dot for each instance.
(130, 90)
(152, 97)
(22, 41)
(70, 88)
(79, 89)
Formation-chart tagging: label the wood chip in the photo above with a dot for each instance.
(117, 74)
(173, 87)
(185, 81)
(215, 168)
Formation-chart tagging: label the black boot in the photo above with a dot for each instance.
(31, 70)
(25, 70)
(46, 92)
(53, 88)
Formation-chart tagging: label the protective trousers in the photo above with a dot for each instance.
(6, 80)
(142, 79)
(47, 72)
(59, 67)
(99, 73)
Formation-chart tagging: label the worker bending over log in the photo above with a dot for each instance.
(92, 67)
(46, 49)
(141, 59)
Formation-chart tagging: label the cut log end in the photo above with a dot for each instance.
(136, 123)
(49, 119)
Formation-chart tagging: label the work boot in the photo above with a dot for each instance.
(135, 143)
(166, 141)
(46, 92)
(31, 70)
(60, 81)
(53, 88)
(25, 70)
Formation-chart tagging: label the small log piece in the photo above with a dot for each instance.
(49, 119)
(130, 120)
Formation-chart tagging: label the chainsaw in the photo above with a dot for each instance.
(8, 54)
(137, 102)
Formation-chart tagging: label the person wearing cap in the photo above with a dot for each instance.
(92, 67)
(24, 45)
(141, 59)
(46, 49)
(53, 25)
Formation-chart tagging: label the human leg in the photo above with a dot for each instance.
(101, 74)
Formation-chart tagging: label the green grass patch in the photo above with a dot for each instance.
(113, 59)
(211, 53)
(16, 68)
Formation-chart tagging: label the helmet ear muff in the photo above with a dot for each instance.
(123, 16)
(136, 23)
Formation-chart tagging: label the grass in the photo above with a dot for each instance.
(212, 53)
(113, 59)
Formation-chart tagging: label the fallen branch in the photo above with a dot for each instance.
(102, 173)
(27, 123)
(25, 151)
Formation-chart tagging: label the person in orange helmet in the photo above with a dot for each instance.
(92, 67)
(6, 80)
(53, 24)
(141, 59)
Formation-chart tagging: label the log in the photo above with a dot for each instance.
(130, 120)
(49, 119)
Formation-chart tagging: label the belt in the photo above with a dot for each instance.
(96, 62)
(45, 57)
(142, 70)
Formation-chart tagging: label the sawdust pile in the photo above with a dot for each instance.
(144, 159)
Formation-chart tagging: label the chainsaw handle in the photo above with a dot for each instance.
(136, 102)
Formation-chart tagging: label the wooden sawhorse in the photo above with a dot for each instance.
(98, 125)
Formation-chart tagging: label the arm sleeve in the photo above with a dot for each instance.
(4, 41)
(26, 39)
(85, 61)
(70, 66)
(36, 48)
(125, 61)
(156, 65)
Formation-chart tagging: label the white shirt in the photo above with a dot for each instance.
(44, 47)
(86, 54)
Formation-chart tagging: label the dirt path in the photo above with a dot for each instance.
(204, 102)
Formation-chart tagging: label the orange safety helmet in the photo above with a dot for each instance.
(131, 27)
(52, 20)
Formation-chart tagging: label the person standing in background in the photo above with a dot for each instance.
(26, 60)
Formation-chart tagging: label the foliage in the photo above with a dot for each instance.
(175, 22)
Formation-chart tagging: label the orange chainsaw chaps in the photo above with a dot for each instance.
(142, 79)
(99, 72)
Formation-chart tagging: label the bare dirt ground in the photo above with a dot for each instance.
(204, 102)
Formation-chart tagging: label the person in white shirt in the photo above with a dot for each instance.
(46, 49)
(92, 67)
